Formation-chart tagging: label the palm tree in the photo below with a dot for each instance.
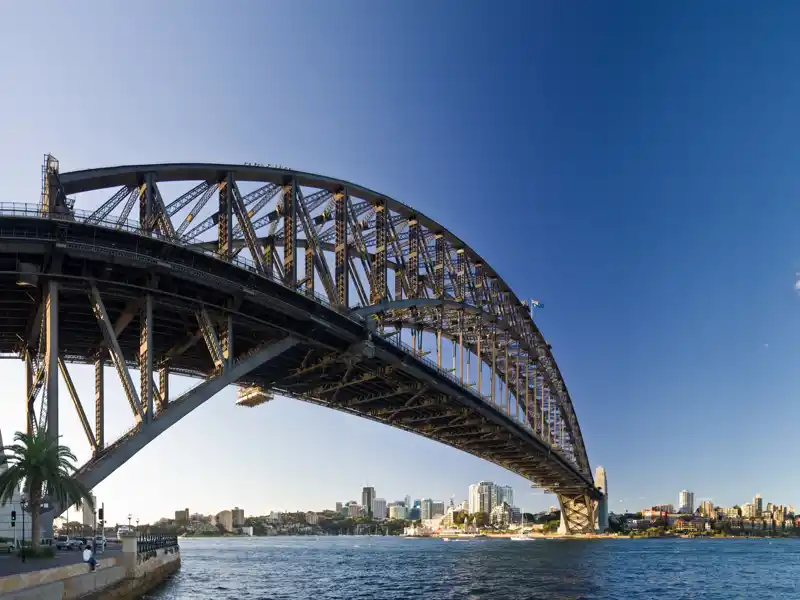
(40, 465)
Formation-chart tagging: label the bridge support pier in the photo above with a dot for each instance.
(577, 514)
(584, 514)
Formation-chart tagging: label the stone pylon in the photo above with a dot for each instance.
(582, 513)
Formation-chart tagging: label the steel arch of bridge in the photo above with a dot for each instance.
(366, 287)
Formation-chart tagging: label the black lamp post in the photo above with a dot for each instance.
(22, 505)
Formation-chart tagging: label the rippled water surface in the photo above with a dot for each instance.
(427, 569)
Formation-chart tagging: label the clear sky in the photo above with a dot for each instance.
(632, 165)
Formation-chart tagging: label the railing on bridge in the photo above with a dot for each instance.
(151, 543)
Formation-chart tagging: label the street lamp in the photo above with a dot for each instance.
(137, 525)
(129, 520)
(22, 505)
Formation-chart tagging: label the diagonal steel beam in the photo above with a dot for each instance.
(115, 352)
(181, 201)
(210, 336)
(104, 209)
(87, 429)
(121, 451)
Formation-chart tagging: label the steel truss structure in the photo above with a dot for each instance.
(290, 283)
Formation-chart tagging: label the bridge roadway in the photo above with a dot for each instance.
(102, 289)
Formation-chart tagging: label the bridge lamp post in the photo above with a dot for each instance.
(129, 520)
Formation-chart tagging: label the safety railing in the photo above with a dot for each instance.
(150, 543)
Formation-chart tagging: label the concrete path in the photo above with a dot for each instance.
(11, 564)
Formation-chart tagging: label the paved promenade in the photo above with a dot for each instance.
(11, 564)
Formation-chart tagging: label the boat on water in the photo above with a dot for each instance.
(522, 538)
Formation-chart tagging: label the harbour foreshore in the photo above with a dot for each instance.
(139, 569)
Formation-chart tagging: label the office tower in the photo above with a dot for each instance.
(505, 493)
(473, 499)
(758, 505)
(686, 502)
(426, 508)
(379, 508)
(367, 496)
(238, 517)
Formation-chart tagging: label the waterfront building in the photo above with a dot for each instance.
(667, 508)
(748, 510)
(379, 508)
(354, 510)
(707, 509)
(398, 511)
(312, 518)
(654, 515)
(414, 513)
(505, 493)
(516, 515)
(733, 512)
(182, 516)
(338, 508)
(437, 509)
(225, 520)
(248, 531)
(501, 515)
(482, 497)
(426, 509)
(367, 496)
(686, 502)
(473, 499)
(238, 516)
(758, 505)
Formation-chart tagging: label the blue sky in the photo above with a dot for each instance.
(632, 165)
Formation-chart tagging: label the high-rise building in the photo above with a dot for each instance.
(238, 517)
(398, 511)
(473, 499)
(707, 509)
(225, 519)
(437, 509)
(487, 497)
(426, 508)
(408, 501)
(88, 512)
(338, 508)
(379, 508)
(182, 516)
(505, 493)
(354, 510)
(686, 502)
(748, 510)
(758, 505)
(367, 496)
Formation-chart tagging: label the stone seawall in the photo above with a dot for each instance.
(151, 570)
(128, 577)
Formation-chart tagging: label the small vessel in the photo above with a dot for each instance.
(522, 538)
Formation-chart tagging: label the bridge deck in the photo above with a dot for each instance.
(392, 386)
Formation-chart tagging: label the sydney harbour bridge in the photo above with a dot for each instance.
(281, 283)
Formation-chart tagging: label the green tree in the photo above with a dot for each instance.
(480, 519)
(40, 465)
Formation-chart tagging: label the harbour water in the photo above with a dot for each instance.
(323, 568)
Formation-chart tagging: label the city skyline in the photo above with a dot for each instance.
(646, 201)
